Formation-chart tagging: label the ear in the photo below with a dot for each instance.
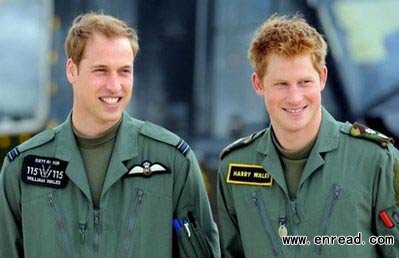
(71, 70)
(257, 84)
(323, 77)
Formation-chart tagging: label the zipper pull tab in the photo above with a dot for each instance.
(282, 230)
(294, 211)
(82, 229)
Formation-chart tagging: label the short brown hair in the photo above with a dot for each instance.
(289, 37)
(86, 25)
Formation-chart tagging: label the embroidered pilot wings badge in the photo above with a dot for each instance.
(147, 169)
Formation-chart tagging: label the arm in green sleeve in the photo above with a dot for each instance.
(11, 244)
(193, 207)
(229, 232)
(385, 193)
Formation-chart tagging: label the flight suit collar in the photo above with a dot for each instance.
(328, 136)
(125, 149)
(327, 140)
(68, 150)
(271, 162)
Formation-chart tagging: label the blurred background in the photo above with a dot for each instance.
(192, 74)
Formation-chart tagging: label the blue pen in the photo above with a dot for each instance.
(176, 225)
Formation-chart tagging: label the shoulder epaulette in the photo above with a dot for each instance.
(163, 135)
(240, 143)
(362, 131)
(12, 154)
(35, 141)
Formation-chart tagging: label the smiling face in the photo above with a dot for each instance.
(291, 88)
(102, 83)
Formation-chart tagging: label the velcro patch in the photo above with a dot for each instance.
(246, 174)
(12, 154)
(147, 169)
(44, 171)
(183, 147)
(362, 131)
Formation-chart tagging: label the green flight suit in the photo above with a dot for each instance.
(346, 182)
(153, 177)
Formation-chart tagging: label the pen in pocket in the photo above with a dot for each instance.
(192, 219)
(187, 227)
(176, 225)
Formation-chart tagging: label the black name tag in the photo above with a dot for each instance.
(44, 171)
(246, 174)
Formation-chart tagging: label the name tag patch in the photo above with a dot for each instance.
(44, 171)
(246, 174)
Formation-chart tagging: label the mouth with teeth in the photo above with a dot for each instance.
(295, 111)
(110, 100)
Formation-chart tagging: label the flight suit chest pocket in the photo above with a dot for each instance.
(130, 222)
(58, 215)
(258, 219)
(144, 224)
(267, 224)
(332, 199)
(46, 219)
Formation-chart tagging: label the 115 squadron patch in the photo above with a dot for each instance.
(44, 171)
(246, 174)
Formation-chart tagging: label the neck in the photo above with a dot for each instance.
(89, 127)
(299, 139)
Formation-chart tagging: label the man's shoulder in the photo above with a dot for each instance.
(241, 143)
(364, 133)
(39, 139)
(164, 136)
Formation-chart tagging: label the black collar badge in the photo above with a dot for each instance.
(147, 169)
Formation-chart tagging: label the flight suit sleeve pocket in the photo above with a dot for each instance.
(185, 246)
(191, 240)
(199, 242)
(389, 220)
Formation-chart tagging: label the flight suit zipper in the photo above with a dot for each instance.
(52, 198)
(134, 208)
(97, 232)
(334, 195)
(296, 220)
(266, 222)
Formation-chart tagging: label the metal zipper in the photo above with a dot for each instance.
(296, 220)
(60, 223)
(132, 222)
(97, 232)
(267, 226)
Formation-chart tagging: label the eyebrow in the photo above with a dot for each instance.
(104, 66)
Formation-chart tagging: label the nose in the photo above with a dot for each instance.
(114, 83)
(294, 95)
